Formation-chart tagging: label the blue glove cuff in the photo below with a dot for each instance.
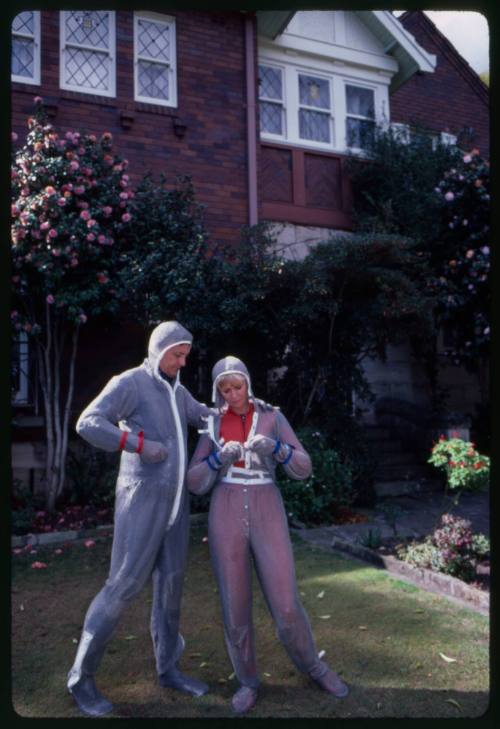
(276, 447)
(290, 454)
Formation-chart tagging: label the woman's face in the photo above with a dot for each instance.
(234, 390)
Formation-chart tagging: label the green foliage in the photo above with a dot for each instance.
(465, 468)
(164, 269)
(92, 475)
(452, 549)
(440, 198)
(313, 501)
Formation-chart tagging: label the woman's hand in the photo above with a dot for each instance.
(261, 444)
(153, 452)
(231, 452)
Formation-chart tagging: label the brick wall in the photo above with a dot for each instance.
(211, 102)
(447, 100)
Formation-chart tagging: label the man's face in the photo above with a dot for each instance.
(174, 358)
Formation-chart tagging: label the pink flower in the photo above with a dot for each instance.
(56, 252)
(89, 543)
(73, 165)
(38, 565)
(467, 159)
(123, 195)
(74, 262)
(58, 551)
(102, 278)
(14, 137)
(92, 138)
(126, 217)
(90, 236)
(38, 100)
(101, 239)
(45, 225)
(49, 190)
(85, 215)
(107, 210)
(50, 299)
(449, 196)
(53, 233)
(123, 183)
(91, 223)
(80, 190)
(83, 318)
(62, 201)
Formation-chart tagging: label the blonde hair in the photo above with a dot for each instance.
(230, 379)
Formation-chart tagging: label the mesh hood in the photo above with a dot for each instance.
(166, 335)
(228, 366)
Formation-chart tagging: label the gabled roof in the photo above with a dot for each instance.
(452, 55)
(397, 42)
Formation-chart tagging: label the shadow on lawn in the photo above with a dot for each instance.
(384, 637)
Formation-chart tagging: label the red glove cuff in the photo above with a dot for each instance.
(140, 445)
(123, 440)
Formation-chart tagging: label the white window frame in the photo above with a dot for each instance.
(401, 132)
(270, 135)
(111, 91)
(172, 65)
(326, 112)
(348, 115)
(448, 140)
(21, 396)
(339, 78)
(35, 79)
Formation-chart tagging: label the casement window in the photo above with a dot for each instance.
(312, 108)
(20, 370)
(360, 119)
(88, 58)
(155, 75)
(271, 98)
(315, 115)
(25, 59)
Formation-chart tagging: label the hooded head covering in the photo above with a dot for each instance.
(166, 335)
(228, 366)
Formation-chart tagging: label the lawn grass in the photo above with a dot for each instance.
(382, 635)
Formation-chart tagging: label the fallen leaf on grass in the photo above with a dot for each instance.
(130, 637)
(74, 640)
(203, 663)
(325, 617)
(267, 674)
(455, 703)
(231, 675)
(447, 658)
(195, 655)
(321, 654)
(419, 611)
(321, 594)
(38, 565)
(362, 627)
(222, 680)
(21, 607)
(379, 705)
(89, 543)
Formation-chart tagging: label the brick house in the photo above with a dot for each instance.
(186, 92)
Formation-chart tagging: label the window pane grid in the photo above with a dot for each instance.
(153, 80)
(153, 41)
(24, 24)
(89, 29)
(314, 92)
(314, 126)
(271, 118)
(89, 69)
(23, 57)
(270, 83)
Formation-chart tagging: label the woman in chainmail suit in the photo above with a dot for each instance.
(237, 455)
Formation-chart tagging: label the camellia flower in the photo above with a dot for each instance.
(83, 318)
(53, 233)
(107, 210)
(91, 223)
(38, 565)
(50, 299)
(126, 217)
(449, 196)
(89, 543)
(102, 278)
(467, 159)
(85, 215)
(62, 200)
(14, 137)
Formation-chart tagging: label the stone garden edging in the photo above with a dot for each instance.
(437, 582)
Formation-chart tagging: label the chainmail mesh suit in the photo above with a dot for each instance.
(248, 525)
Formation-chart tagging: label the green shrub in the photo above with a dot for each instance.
(91, 476)
(314, 500)
(465, 468)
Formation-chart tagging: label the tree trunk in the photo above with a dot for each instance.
(50, 355)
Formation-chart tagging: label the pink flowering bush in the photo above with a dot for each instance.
(464, 252)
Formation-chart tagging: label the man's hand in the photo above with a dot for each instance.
(261, 444)
(231, 452)
(153, 452)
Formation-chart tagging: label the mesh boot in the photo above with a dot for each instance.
(244, 699)
(177, 680)
(88, 698)
(332, 683)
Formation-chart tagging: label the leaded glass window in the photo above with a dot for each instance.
(360, 120)
(314, 109)
(88, 51)
(25, 58)
(271, 100)
(155, 72)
